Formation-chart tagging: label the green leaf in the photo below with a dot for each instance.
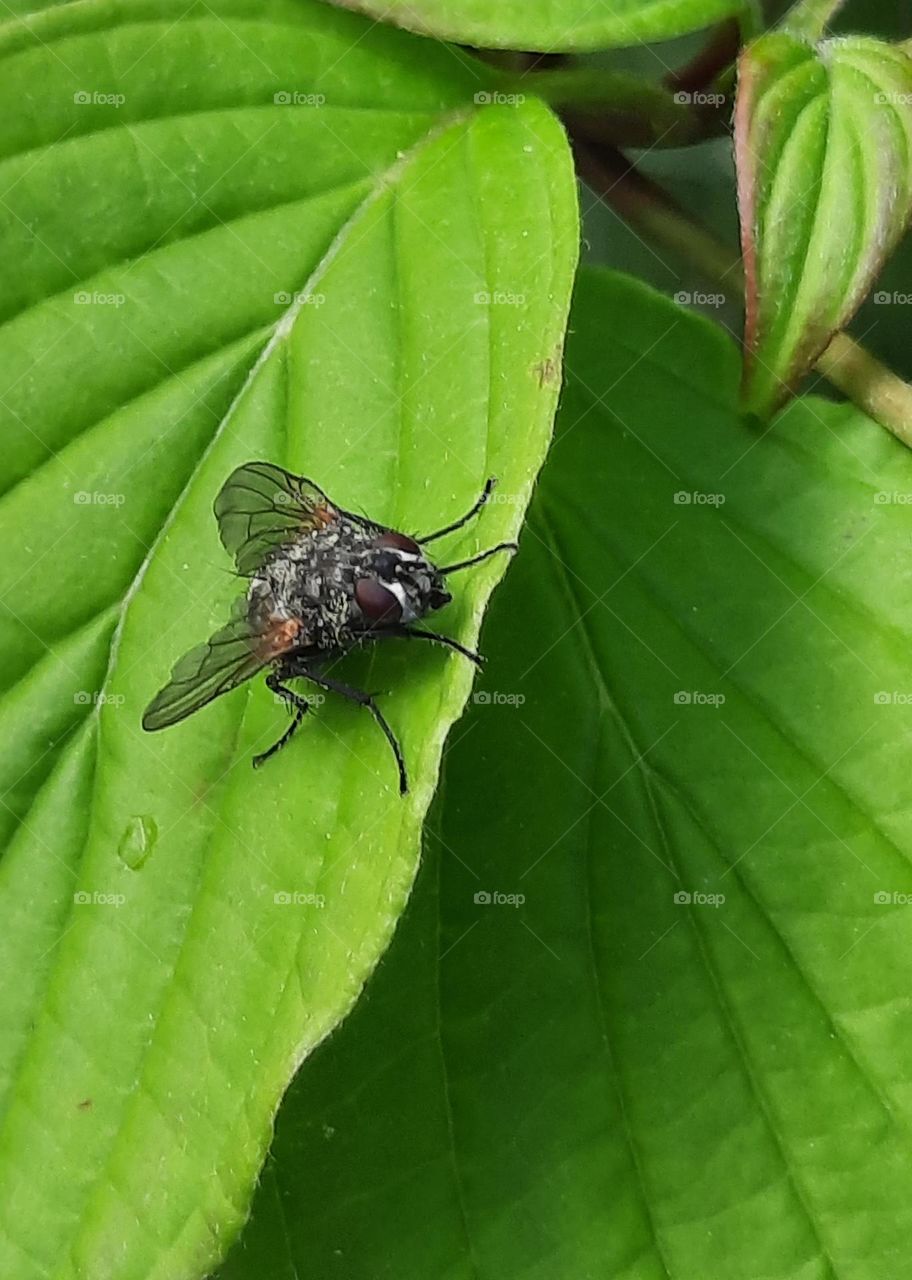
(823, 144)
(602, 1080)
(229, 232)
(549, 27)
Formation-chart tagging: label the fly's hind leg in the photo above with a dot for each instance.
(363, 700)
(297, 705)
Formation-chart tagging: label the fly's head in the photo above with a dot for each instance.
(398, 584)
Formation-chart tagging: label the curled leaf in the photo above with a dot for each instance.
(823, 145)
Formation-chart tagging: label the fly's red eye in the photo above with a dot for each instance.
(398, 542)
(376, 602)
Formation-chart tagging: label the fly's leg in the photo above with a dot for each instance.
(298, 706)
(472, 511)
(363, 700)
(482, 555)
(447, 641)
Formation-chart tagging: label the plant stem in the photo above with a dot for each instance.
(869, 384)
(715, 57)
(810, 18)
(651, 211)
(617, 108)
(751, 20)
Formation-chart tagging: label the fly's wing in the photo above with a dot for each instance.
(260, 507)
(234, 654)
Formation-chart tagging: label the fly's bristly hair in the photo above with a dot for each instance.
(322, 582)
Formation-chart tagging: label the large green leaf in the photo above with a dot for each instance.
(550, 26)
(605, 1081)
(258, 231)
(823, 140)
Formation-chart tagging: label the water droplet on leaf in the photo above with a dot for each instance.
(138, 841)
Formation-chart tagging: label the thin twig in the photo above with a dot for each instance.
(810, 18)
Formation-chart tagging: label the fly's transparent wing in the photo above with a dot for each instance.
(260, 507)
(234, 654)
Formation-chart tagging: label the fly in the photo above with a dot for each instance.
(322, 582)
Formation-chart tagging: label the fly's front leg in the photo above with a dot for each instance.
(297, 705)
(447, 641)
(482, 555)
(469, 515)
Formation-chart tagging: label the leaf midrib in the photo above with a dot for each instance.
(162, 246)
(73, 141)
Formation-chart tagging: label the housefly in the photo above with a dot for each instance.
(322, 581)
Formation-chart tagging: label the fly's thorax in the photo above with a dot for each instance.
(311, 589)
